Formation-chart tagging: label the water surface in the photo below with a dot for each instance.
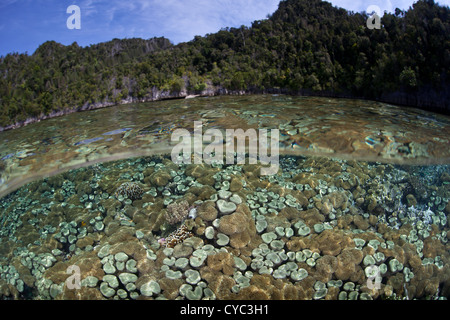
(341, 128)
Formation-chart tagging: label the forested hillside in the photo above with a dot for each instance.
(305, 47)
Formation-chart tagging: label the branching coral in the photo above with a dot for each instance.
(129, 189)
(177, 212)
(177, 237)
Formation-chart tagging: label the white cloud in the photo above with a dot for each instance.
(88, 8)
(184, 19)
(181, 20)
(178, 20)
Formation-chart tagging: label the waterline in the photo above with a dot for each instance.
(191, 149)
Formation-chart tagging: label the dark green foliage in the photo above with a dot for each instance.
(305, 46)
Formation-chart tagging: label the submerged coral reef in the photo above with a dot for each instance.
(319, 229)
(130, 190)
(176, 237)
(177, 212)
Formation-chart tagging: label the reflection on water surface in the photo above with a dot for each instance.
(342, 128)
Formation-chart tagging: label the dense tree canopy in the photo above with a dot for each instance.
(306, 46)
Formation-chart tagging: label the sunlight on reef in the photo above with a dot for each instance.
(93, 206)
(147, 228)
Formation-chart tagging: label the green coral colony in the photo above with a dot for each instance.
(145, 228)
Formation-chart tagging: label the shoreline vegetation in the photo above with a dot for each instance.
(307, 48)
(167, 95)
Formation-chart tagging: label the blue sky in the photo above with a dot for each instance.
(25, 24)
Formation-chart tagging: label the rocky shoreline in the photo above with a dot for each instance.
(429, 101)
